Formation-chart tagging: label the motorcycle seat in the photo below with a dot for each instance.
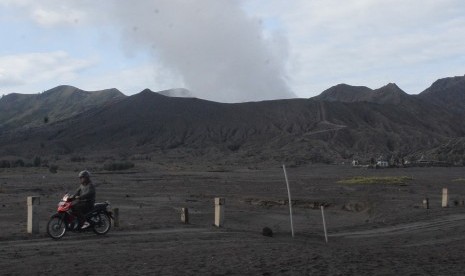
(100, 204)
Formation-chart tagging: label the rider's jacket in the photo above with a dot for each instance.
(86, 193)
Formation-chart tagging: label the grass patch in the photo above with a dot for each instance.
(396, 180)
(459, 180)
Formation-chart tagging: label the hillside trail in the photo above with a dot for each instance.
(322, 112)
(323, 123)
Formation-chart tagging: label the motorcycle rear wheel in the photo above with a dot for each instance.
(56, 227)
(102, 223)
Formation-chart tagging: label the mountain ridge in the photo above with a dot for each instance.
(61, 102)
(392, 123)
(447, 93)
(388, 94)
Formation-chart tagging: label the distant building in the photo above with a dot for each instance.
(382, 164)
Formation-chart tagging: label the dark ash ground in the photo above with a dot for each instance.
(375, 229)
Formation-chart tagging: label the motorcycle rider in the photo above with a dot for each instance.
(84, 198)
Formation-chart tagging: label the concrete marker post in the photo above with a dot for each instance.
(185, 215)
(32, 214)
(116, 217)
(219, 211)
(445, 198)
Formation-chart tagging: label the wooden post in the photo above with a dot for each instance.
(219, 211)
(116, 217)
(185, 215)
(32, 214)
(426, 203)
(445, 198)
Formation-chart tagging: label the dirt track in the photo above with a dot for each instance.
(391, 235)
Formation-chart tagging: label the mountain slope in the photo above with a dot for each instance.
(304, 130)
(55, 104)
(344, 122)
(447, 93)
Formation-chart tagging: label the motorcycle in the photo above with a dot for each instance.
(65, 219)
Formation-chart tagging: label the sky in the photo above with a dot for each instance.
(229, 51)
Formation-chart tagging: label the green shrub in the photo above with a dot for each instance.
(77, 159)
(53, 168)
(376, 180)
(5, 164)
(37, 161)
(18, 163)
(118, 166)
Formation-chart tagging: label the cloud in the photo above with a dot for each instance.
(57, 13)
(220, 52)
(371, 43)
(52, 18)
(33, 68)
(263, 49)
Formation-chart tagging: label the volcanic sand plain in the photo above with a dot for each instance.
(374, 228)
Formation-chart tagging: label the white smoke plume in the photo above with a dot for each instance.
(214, 46)
(218, 50)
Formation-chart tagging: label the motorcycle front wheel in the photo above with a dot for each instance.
(102, 223)
(56, 227)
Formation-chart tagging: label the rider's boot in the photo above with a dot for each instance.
(85, 225)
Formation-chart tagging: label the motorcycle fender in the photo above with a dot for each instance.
(110, 214)
(59, 214)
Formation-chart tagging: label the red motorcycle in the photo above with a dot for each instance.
(66, 220)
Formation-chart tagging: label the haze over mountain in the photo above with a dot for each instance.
(177, 92)
(344, 122)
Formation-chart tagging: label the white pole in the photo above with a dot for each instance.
(324, 223)
(290, 202)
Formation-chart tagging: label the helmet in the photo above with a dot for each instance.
(84, 173)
